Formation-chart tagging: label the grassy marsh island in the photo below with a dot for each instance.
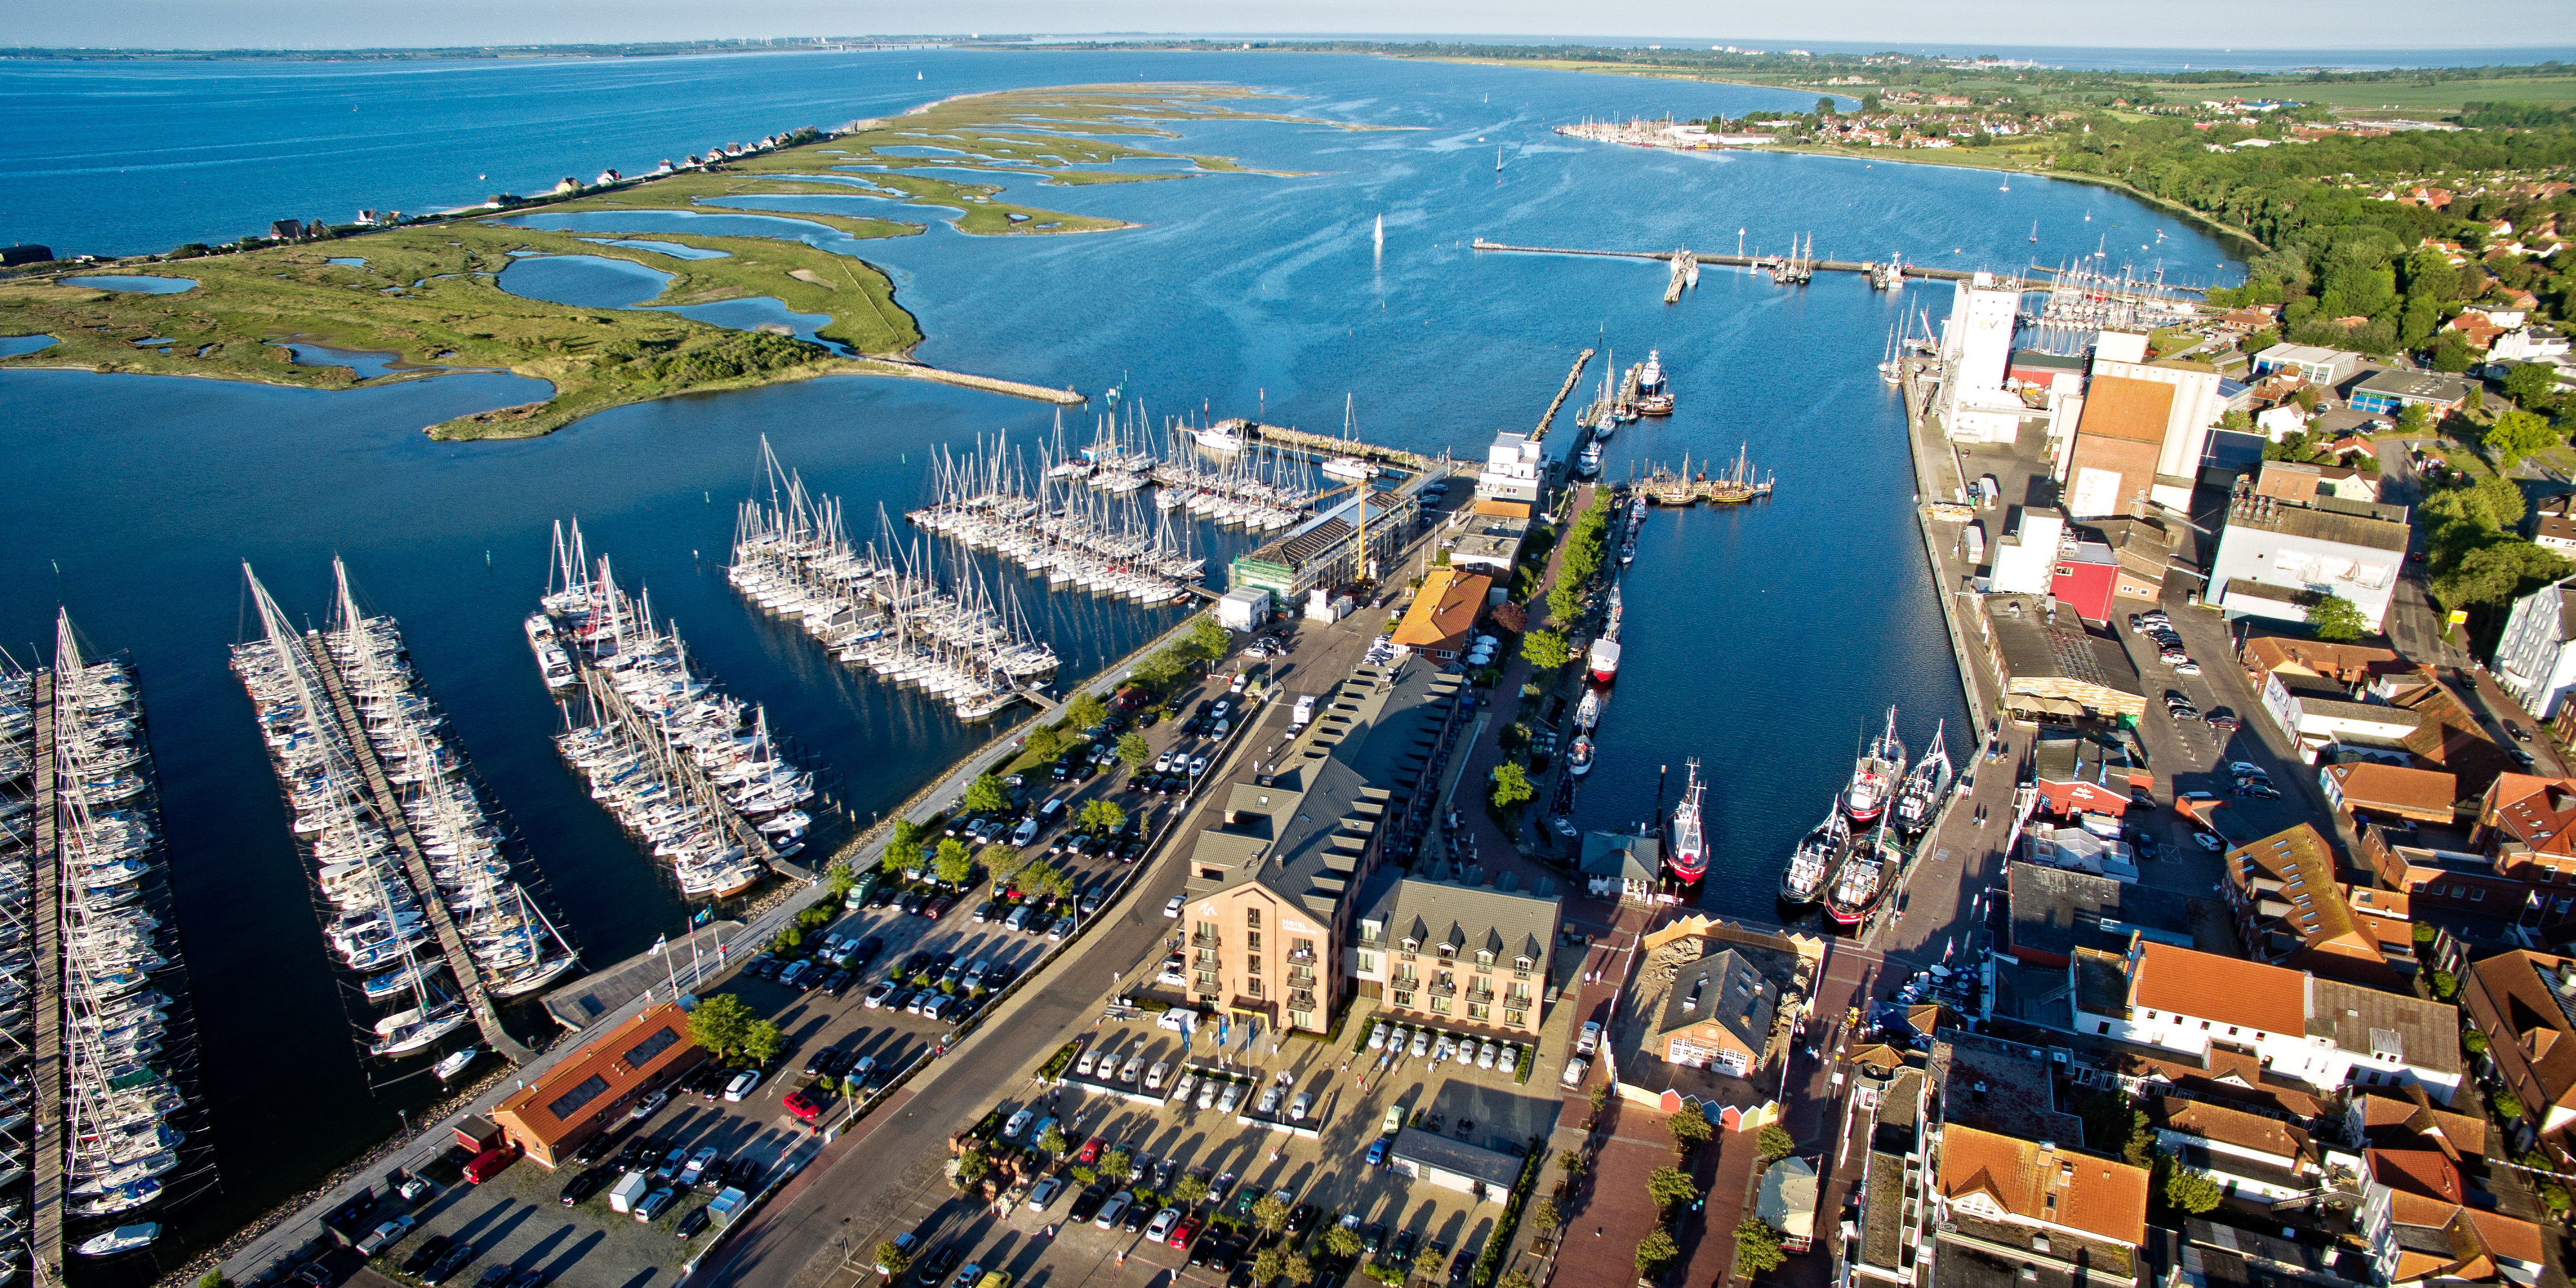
(427, 290)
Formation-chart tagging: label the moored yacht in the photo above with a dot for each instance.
(1578, 760)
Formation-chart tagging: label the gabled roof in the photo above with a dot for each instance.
(2224, 990)
(2217, 1123)
(1445, 609)
(2031, 1182)
(2538, 1021)
(2396, 789)
(2539, 813)
(2120, 407)
(1722, 988)
(2368, 1023)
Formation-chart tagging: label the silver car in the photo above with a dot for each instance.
(1377, 1037)
(1208, 1090)
(1485, 1056)
(1233, 1097)
(1421, 1043)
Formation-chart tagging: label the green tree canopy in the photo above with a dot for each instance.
(1189, 1189)
(1545, 650)
(1670, 1187)
(2533, 386)
(1757, 1247)
(1690, 1127)
(761, 1042)
(1052, 1141)
(2337, 618)
(892, 1259)
(1270, 1214)
(1776, 1142)
(1341, 1240)
(1542, 1214)
(1511, 786)
(1209, 639)
(2520, 434)
(1046, 742)
(1116, 1163)
(1102, 816)
(719, 1023)
(2191, 1191)
(1085, 709)
(906, 839)
(953, 862)
(986, 795)
(1133, 749)
(1656, 1253)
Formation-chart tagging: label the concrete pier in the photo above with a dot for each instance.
(46, 1238)
(1564, 391)
(1764, 261)
(380, 790)
(1325, 445)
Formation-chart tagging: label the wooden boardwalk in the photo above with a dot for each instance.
(1764, 261)
(451, 943)
(46, 875)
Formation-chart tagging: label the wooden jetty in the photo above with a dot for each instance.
(1563, 392)
(46, 1243)
(389, 815)
(1765, 261)
(649, 736)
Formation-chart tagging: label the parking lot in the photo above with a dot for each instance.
(514, 1229)
(1318, 1165)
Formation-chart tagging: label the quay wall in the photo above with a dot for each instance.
(1919, 425)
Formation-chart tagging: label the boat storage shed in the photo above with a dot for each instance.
(590, 1091)
(1454, 1164)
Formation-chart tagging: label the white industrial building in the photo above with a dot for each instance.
(2275, 557)
(1976, 345)
(1514, 467)
(2535, 660)
(2026, 560)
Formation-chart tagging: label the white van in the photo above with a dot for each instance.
(1304, 714)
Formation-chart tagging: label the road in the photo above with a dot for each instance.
(860, 1180)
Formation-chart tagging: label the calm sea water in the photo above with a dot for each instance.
(1763, 641)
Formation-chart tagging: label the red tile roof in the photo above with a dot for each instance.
(2226, 990)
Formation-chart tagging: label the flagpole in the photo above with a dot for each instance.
(673, 975)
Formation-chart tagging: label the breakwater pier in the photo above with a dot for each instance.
(1765, 261)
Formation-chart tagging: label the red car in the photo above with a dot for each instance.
(1184, 1232)
(805, 1107)
(938, 908)
(1090, 1152)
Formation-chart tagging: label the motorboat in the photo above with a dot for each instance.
(454, 1063)
(1918, 801)
(124, 1238)
(1874, 775)
(1813, 864)
(1578, 759)
(1687, 851)
(1603, 658)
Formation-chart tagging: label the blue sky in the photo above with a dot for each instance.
(2182, 24)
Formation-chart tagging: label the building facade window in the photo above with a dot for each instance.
(1368, 963)
(1252, 919)
(1476, 1011)
(1440, 1006)
(1516, 1017)
(1252, 988)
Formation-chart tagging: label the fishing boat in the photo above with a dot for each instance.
(1650, 377)
(1578, 759)
(1857, 887)
(1919, 799)
(1686, 851)
(1604, 660)
(1587, 715)
(1813, 864)
(124, 1238)
(1655, 404)
(1874, 775)
(1588, 465)
(453, 1064)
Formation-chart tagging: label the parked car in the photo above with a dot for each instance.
(427, 1254)
(741, 1085)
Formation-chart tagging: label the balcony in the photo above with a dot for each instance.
(1204, 940)
(1301, 977)
(1302, 997)
(1301, 955)
(1479, 993)
(1445, 989)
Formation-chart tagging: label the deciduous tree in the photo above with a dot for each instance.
(953, 861)
(2191, 1191)
(1511, 786)
(1545, 650)
(1656, 1253)
(1690, 1129)
(986, 795)
(1085, 709)
(1270, 1214)
(1103, 816)
(1133, 749)
(1757, 1247)
(2334, 617)
(2519, 434)
(1670, 1188)
(1776, 1142)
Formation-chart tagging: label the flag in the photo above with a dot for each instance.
(659, 945)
